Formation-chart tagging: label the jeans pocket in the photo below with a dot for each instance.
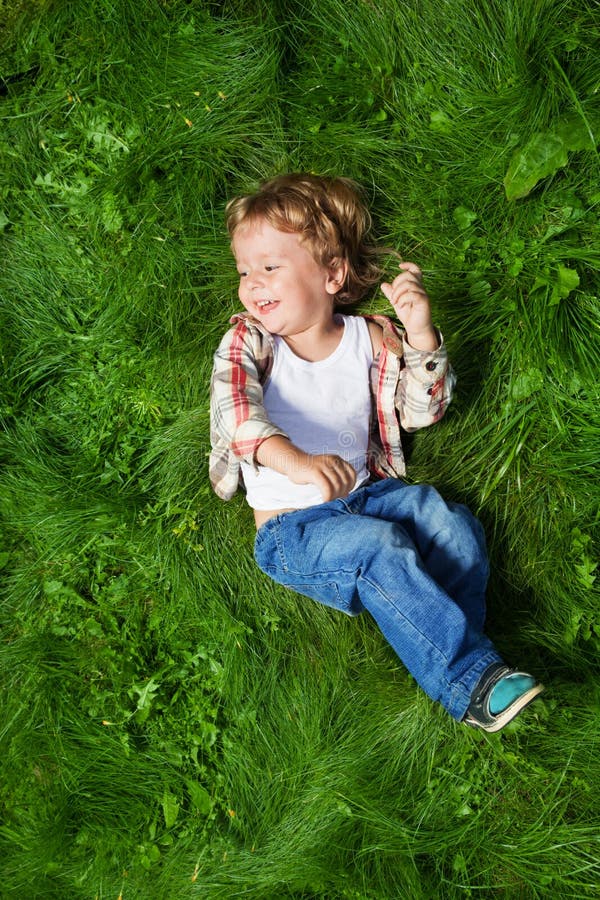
(266, 546)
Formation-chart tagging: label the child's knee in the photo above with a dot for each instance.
(467, 525)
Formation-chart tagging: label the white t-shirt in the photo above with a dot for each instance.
(323, 407)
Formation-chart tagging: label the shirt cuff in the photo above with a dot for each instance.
(427, 366)
(249, 436)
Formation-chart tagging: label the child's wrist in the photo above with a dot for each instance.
(425, 340)
(278, 453)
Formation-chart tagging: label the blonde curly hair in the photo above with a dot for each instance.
(329, 213)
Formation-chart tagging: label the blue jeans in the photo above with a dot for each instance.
(416, 563)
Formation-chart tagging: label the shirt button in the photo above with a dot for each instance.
(431, 365)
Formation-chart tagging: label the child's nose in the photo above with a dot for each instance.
(255, 280)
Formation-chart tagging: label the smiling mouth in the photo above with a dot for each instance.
(265, 305)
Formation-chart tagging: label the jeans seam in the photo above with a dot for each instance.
(279, 545)
(329, 574)
(392, 603)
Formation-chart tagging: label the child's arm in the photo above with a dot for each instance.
(411, 303)
(333, 476)
(240, 427)
(238, 420)
(426, 381)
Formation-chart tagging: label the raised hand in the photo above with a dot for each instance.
(411, 304)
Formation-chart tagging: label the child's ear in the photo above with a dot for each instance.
(337, 274)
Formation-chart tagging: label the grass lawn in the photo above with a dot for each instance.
(172, 724)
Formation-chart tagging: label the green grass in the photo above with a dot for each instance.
(174, 725)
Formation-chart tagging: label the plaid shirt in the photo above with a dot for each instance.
(411, 388)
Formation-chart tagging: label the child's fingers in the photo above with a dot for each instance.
(401, 283)
(411, 275)
(333, 476)
(404, 291)
(407, 266)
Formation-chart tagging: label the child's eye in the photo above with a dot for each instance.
(271, 268)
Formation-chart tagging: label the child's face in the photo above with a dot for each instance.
(281, 283)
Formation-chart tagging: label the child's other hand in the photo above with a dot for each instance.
(333, 476)
(411, 304)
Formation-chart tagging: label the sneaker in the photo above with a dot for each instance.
(500, 695)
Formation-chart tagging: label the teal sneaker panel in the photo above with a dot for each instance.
(507, 690)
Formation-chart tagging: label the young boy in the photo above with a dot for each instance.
(306, 409)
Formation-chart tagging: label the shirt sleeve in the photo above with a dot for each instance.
(238, 418)
(425, 385)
